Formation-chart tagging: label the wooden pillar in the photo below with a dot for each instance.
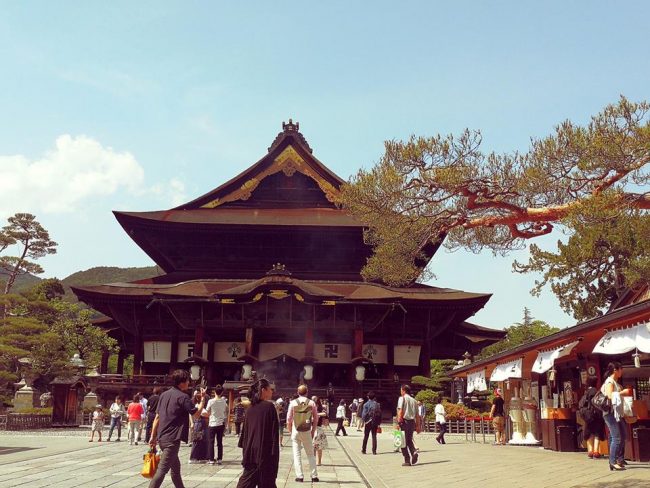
(103, 365)
(120, 361)
(209, 374)
(390, 354)
(249, 341)
(137, 355)
(425, 350)
(198, 341)
(174, 350)
(357, 349)
(309, 342)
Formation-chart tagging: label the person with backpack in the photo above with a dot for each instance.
(354, 409)
(594, 429)
(371, 416)
(302, 419)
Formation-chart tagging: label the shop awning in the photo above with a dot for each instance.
(625, 340)
(476, 381)
(545, 359)
(512, 369)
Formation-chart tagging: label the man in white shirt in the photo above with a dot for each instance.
(144, 402)
(217, 407)
(407, 412)
(302, 420)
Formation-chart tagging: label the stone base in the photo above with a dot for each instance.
(90, 401)
(26, 397)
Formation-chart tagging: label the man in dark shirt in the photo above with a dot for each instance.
(152, 406)
(498, 418)
(170, 427)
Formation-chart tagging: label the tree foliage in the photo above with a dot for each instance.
(519, 333)
(431, 188)
(33, 242)
(440, 378)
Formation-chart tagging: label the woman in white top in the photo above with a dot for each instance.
(614, 419)
(441, 421)
(340, 418)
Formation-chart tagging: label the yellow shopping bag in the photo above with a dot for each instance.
(151, 460)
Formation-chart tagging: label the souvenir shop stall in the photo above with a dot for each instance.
(543, 381)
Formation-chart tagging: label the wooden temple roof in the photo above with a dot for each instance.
(327, 290)
(319, 217)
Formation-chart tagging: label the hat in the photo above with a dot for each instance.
(279, 401)
(360, 399)
(98, 406)
(499, 391)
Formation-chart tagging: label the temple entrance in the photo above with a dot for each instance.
(284, 370)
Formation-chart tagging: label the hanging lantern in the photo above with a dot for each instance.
(195, 372)
(637, 359)
(551, 375)
(309, 372)
(360, 373)
(247, 370)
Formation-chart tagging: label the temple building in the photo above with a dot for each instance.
(264, 273)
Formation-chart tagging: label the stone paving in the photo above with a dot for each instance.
(66, 459)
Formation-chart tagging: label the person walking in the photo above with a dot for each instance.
(135, 413)
(614, 418)
(594, 428)
(354, 408)
(239, 413)
(302, 420)
(199, 453)
(371, 416)
(441, 421)
(259, 439)
(360, 422)
(340, 418)
(282, 418)
(117, 412)
(143, 422)
(406, 415)
(320, 438)
(170, 427)
(152, 405)
(422, 413)
(218, 411)
(97, 424)
(498, 418)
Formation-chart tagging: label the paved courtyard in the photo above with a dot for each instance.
(66, 459)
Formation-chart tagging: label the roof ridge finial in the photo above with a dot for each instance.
(290, 127)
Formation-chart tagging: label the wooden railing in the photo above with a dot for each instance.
(478, 429)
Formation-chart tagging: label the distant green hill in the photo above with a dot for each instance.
(93, 276)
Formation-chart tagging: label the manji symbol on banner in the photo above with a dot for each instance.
(333, 353)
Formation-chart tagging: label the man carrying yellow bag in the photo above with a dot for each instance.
(151, 460)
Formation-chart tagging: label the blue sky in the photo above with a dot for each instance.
(140, 106)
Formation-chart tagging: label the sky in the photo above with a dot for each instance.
(145, 105)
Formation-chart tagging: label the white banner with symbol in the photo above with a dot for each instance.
(333, 353)
(502, 372)
(186, 350)
(228, 352)
(272, 350)
(407, 355)
(546, 359)
(157, 352)
(476, 381)
(625, 340)
(377, 353)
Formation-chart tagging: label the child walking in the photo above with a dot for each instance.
(97, 424)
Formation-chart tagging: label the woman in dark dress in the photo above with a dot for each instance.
(259, 439)
(199, 452)
(594, 430)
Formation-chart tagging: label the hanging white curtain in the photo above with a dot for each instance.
(502, 372)
(625, 340)
(476, 381)
(546, 359)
